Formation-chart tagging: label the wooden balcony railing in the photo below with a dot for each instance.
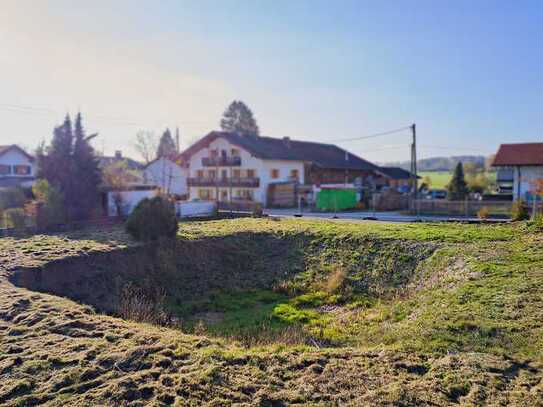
(246, 182)
(221, 161)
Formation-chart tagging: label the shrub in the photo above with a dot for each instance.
(15, 218)
(12, 198)
(153, 219)
(519, 211)
(52, 212)
(483, 213)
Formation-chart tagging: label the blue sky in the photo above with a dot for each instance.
(468, 73)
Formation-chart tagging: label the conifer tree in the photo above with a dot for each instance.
(166, 146)
(238, 118)
(458, 188)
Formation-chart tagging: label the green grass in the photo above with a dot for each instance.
(440, 179)
(360, 314)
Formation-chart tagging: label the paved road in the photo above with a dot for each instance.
(366, 215)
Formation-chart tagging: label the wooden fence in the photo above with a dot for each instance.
(460, 208)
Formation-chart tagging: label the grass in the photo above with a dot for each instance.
(356, 314)
(440, 179)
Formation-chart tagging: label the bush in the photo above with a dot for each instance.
(15, 218)
(519, 211)
(483, 213)
(153, 219)
(52, 212)
(12, 198)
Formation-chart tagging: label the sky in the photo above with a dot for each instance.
(468, 73)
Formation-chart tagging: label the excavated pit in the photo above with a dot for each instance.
(181, 279)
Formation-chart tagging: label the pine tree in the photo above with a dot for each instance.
(69, 165)
(55, 161)
(458, 188)
(86, 172)
(238, 118)
(166, 146)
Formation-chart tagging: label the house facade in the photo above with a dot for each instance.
(229, 167)
(519, 167)
(16, 167)
(168, 174)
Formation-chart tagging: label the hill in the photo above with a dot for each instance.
(271, 313)
(444, 164)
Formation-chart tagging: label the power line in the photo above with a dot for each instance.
(384, 133)
(119, 121)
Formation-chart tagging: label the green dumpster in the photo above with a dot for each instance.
(336, 199)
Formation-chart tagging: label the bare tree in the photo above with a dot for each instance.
(146, 144)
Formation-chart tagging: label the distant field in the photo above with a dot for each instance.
(440, 179)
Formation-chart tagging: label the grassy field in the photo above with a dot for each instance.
(357, 314)
(440, 179)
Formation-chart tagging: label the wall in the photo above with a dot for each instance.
(262, 170)
(167, 175)
(523, 178)
(129, 200)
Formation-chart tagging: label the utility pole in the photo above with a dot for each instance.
(414, 182)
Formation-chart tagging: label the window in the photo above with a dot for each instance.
(5, 169)
(212, 174)
(274, 173)
(214, 153)
(204, 194)
(224, 174)
(224, 195)
(236, 173)
(22, 169)
(247, 194)
(200, 173)
(250, 173)
(294, 174)
(234, 152)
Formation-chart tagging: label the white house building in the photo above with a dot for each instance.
(235, 168)
(519, 166)
(168, 174)
(16, 167)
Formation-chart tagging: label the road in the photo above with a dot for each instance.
(367, 215)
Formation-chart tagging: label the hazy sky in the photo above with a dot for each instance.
(470, 74)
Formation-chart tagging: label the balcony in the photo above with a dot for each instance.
(247, 182)
(221, 161)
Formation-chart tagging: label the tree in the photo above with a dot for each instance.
(166, 146)
(117, 176)
(239, 118)
(477, 183)
(52, 212)
(86, 173)
(70, 166)
(457, 187)
(146, 144)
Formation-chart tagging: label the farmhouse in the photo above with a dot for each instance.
(519, 166)
(231, 167)
(16, 167)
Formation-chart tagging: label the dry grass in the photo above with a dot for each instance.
(56, 352)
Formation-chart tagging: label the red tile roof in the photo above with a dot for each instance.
(519, 154)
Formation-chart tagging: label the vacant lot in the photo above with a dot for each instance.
(270, 313)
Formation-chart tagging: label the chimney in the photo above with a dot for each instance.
(118, 154)
(286, 140)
